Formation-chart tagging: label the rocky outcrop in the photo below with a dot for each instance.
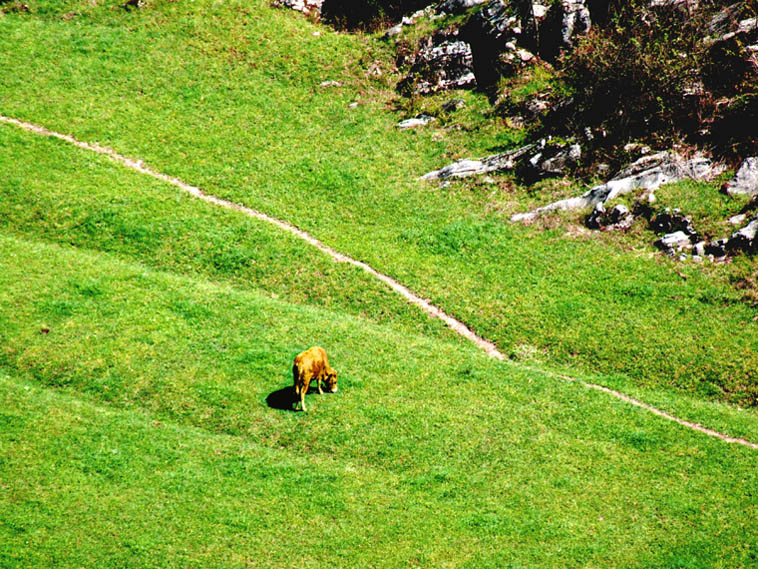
(503, 37)
(745, 181)
(564, 23)
(443, 62)
(533, 161)
(649, 172)
(309, 7)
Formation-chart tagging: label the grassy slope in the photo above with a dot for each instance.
(226, 97)
(57, 193)
(133, 436)
(54, 192)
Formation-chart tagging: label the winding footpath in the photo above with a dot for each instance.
(458, 326)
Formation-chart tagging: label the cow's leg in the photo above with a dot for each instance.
(320, 391)
(302, 400)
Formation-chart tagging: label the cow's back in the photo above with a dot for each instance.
(311, 362)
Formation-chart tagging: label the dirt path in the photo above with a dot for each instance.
(458, 326)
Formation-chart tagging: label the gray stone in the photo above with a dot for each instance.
(557, 161)
(395, 30)
(721, 22)
(619, 217)
(453, 105)
(597, 218)
(685, 6)
(745, 181)
(532, 161)
(576, 21)
(565, 22)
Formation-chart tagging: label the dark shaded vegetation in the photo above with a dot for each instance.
(666, 75)
(368, 15)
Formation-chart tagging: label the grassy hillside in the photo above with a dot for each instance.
(134, 436)
(226, 96)
(146, 338)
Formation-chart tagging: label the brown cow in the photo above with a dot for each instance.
(309, 365)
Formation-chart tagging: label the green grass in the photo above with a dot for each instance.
(133, 436)
(146, 338)
(226, 96)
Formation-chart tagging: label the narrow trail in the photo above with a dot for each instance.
(456, 325)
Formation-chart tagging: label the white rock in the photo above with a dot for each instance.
(420, 120)
(745, 181)
(676, 241)
(738, 219)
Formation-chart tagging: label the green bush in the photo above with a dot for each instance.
(369, 14)
(638, 78)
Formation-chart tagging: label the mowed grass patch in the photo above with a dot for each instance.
(164, 84)
(181, 462)
(61, 194)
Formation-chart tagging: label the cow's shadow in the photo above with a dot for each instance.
(284, 398)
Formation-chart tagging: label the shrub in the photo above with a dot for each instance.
(638, 77)
(368, 14)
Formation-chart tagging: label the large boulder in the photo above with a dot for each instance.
(443, 62)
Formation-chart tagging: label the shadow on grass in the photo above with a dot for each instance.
(282, 399)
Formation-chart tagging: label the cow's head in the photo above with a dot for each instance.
(331, 380)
